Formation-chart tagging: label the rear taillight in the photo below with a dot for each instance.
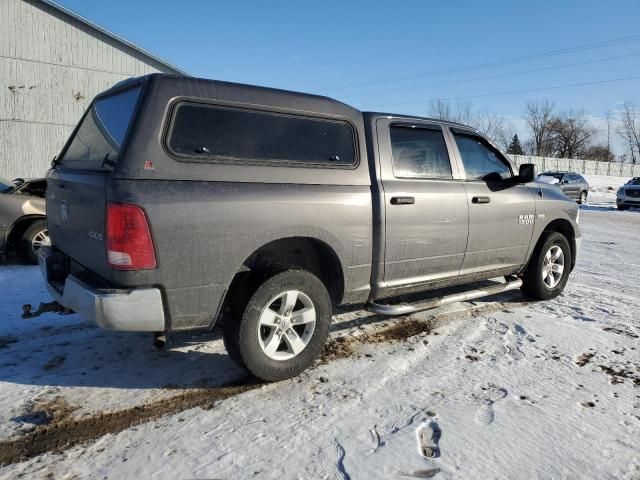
(129, 243)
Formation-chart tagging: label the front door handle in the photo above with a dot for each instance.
(481, 200)
(402, 200)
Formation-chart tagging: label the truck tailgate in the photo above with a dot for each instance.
(76, 205)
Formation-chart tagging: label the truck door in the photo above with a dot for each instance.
(425, 206)
(501, 212)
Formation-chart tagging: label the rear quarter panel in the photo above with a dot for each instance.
(204, 231)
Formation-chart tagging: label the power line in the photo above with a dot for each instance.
(510, 92)
(507, 61)
(499, 75)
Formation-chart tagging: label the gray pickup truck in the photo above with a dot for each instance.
(179, 201)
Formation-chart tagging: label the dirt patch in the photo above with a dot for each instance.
(343, 347)
(43, 412)
(60, 435)
(584, 358)
(621, 331)
(400, 330)
(7, 340)
(54, 362)
(618, 376)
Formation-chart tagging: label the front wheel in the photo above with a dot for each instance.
(583, 198)
(622, 207)
(548, 271)
(284, 326)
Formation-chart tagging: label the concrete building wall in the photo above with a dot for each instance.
(51, 66)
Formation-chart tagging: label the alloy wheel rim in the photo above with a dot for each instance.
(40, 239)
(286, 325)
(553, 267)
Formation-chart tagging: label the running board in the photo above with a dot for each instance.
(512, 283)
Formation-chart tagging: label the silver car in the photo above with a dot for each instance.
(629, 194)
(23, 225)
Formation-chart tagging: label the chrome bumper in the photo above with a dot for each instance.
(137, 310)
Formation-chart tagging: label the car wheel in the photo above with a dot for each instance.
(622, 207)
(283, 328)
(33, 238)
(548, 271)
(583, 198)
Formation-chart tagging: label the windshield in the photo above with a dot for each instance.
(634, 181)
(99, 138)
(6, 185)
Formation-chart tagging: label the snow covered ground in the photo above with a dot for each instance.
(498, 388)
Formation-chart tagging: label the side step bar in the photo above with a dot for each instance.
(512, 283)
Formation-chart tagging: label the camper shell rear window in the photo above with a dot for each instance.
(97, 141)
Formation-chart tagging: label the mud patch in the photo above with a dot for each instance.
(619, 376)
(60, 435)
(584, 358)
(343, 347)
(621, 330)
(54, 362)
(7, 340)
(44, 412)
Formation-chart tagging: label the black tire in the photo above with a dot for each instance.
(583, 197)
(622, 207)
(533, 283)
(27, 248)
(241, 338)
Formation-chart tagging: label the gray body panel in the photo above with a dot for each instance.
(207, 218)
(17, 207)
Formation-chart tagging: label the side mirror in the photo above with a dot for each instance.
(527, 173)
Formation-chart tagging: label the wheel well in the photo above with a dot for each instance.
(308, 254)
(19, 227)
(564, 227)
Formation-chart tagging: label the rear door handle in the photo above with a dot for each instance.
(481, 200)
(402, 200)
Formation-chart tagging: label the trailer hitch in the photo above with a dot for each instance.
(44, 308)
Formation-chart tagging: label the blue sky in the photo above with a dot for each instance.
(391, 56)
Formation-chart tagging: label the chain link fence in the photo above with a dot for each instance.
(586, 167)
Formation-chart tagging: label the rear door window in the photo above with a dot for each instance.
(218, 133)
(101, 134)
(481, 161)
(419, 153)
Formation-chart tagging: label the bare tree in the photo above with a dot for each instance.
(441, 110)
(570, 134)
(485, 121)
(629, 129)
(539, 116)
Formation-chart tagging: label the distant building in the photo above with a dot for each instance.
(52, 63)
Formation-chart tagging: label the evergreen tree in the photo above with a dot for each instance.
(514, 147)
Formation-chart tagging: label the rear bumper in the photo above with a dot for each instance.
(138, 310)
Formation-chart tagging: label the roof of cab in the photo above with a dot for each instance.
(415, 117)
(202, 88)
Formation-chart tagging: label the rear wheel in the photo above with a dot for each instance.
(548, 271)
(283, 328)
(622, 207)
(583, 198)
(34, 237)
